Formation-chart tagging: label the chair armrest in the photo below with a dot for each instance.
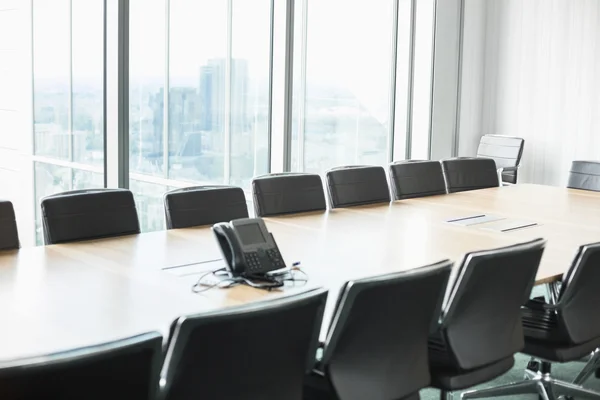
(506, 169)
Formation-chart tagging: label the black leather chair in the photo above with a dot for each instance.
(416, 178)
(376, 346)
(506, 151)
(465, 173)
(480, 329)
(287, 193)
(125, 369)
(204, 205)
(89, 214)
(561, 332)
(356, 185)
(585, 175)
(261, 351)
(9, 236)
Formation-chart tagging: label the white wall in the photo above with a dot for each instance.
(540, 81)
(445, 82)
(472, 79)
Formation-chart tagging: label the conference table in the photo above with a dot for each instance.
(54, 298)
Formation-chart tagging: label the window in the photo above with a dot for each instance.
(343, 82)
(68, 69)
(87, 64)
(51, 70)
(209, 63)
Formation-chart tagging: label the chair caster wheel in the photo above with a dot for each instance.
(533, 366)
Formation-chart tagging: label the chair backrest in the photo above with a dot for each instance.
(123, 369)
(287, 193)
(379, 333)
(505, 150)
(579, 296)
(356, 185)
(9, 236)
(585, 175)
(416, 178)
(466, 173)
(89, 214)
(481, 317)
(261, 351)
(204, 205)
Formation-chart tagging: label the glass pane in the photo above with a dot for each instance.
(49, 179)
(147, 85)
(51, 66)
(250, 70)
(87, 179)
(88, 70)
(149, 203)
(197, 89)
(345, 115)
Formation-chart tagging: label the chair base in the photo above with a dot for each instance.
(592, 366)
(535, 383)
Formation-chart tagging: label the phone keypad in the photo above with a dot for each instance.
(275, 258)
(252, 261)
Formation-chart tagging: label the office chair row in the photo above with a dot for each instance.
(389, 337)
(99, 213)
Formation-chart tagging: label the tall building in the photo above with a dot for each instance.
(212, 95)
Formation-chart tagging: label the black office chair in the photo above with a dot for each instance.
(561, 332)
(126, 369)
(204, 205)
(88, 214)
(415, 178)
(356, 185)
(465, 173)
(585, 175)
(506, 151)
(9, 236)
(376, 346)
(287, 193)
(261, 351)
(480, 329)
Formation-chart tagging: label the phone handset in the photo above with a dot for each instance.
(230, 247)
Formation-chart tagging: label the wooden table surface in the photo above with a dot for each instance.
(58, 297)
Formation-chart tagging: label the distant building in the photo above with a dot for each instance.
(212, 95)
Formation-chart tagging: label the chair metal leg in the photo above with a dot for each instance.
(546, 389)
(529, 374)
(515, 388)
(571, 390)
(553, 290)
(590, 367)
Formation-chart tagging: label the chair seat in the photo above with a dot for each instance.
(550, 351)
(449, 379)
(509, 177)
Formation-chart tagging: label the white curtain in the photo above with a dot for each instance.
(533, 70)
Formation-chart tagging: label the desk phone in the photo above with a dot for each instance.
(248, 247)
